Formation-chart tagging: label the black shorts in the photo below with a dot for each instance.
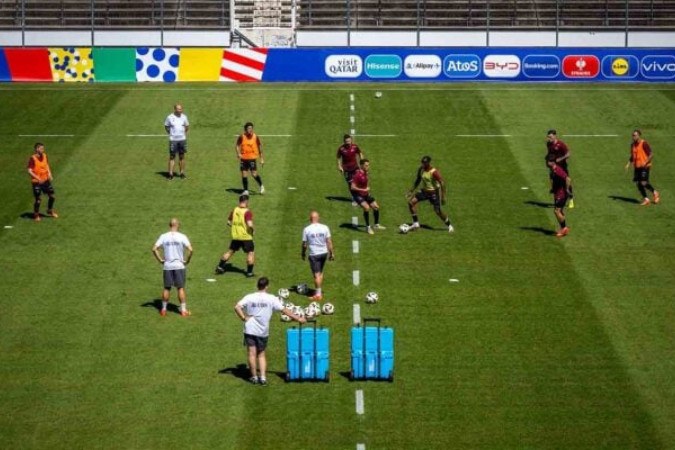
(174, 278)
(179, 147)
(360, 198)
(560, 202)
(432, 196)
(43, 188)
(641, 174)
(247, 246)
(248, 164)
(316, 262)
(349, 174)
(260, 343)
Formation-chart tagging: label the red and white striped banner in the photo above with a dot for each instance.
(243, 64)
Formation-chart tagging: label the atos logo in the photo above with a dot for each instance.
(501, 66)
(658, 67)
(541, 66)
(581, 66)
(620, 66)
(461, 66)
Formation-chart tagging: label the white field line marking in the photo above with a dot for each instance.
(483, 135)
(355, 221)
(268, 135)
(351, 107)
(211, 280)
(292, 188)
(375, 135)
(353, 132)
(360, 446)
(356, 309)
(524, 188)
(360, 407)
(356, 277)
(46, 135)
(454, 280)
(351, 98)
(351, 119)
(591, 135)
(8, 227)
(147, 135)
(355, 246)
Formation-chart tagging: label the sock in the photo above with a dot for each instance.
(258, 179)
(571, 192)
(415, 219)
(642, 190)
(366, 218)
(249, 268)
(183, 307)
(376, 213)
(563, 224)
(50, 203)
(447, 220)
(244, 182)
(317, 291)
(650, 187)
(164, 305)
(222, 264)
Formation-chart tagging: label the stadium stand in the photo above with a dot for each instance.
(341, 14)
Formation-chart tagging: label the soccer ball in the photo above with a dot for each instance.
(284, 294)
(372, 297)
(315, 305)
(310, 312)
(404, 228)
(285, 318)
(298, 311)
(328, 308)
(289, 305)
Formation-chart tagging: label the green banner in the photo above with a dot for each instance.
(115, 64)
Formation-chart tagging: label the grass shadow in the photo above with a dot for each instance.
(239, 371)
(541, 230)
(351, 226)
(232, 269)
(539, 204)
(157, 304)
(163, 174)
(624, 199)
(235, 191)
(29, 215)
(338, 198)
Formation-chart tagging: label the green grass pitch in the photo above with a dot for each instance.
(543, 342)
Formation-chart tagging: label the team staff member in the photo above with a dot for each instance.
(173, 244)
(241, 222)
(177, 127)
(41, 178)
(349, 156)
(561, 188)
(360, 189)
(249, 149)
(256, 310)
(560, 152)
(433, 189)
(317, 239)
(641, 156)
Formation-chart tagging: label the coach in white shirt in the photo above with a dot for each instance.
(173, 244)
(177, 127)
(316, 237)
(256, 310)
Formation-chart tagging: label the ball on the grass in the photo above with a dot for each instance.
(404, 228)
(285, 318)
(372, 297)
(328, 308)
(284, 293)
(378, 94)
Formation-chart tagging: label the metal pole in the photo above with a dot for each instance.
(557, 23)
(487, 25)
(92, 23)
(23, 23)
(418, 23)
(349, 24)
(294, 7)
(626, 24)
(232, 16)
(161, 23)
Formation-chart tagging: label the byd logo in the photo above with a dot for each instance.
(501, 66)
(658, 67)
(581, 66)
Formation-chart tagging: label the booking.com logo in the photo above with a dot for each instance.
(384, 66)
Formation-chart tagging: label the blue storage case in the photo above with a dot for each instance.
(372, 351)
(307, 353)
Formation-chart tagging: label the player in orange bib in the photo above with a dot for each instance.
(41, 179)
(249, 149)
(641, 157)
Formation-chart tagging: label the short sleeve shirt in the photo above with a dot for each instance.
(316, 236)
(260, 306)
(177, 126)
(360, 181)
(173, 245)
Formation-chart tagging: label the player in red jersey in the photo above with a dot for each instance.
(561, 154)
(561, 188)
(349, 156)
(361, 194)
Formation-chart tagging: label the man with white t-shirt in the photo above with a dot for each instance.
(177, 126)
(316, 237)
(173, 244)
(256, 310)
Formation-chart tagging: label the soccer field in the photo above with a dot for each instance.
(542, 343)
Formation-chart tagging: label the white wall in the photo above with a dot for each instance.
(128, 38)
(651, 39)
(196, 38)
(10, 38)
(452, 39)
(58, 38)
(321, 39)
(592, 39)
(522, 39)
(383, 38)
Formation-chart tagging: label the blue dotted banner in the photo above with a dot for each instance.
(157, 64)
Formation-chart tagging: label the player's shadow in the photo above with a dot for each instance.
(235, 191)
(232, 269)
(338, 198)
(157, 304)
(163, 174)
(541, 230)
(539, 204)
(351, 226)
(29, 215)
(623, 199)
(239, 371)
